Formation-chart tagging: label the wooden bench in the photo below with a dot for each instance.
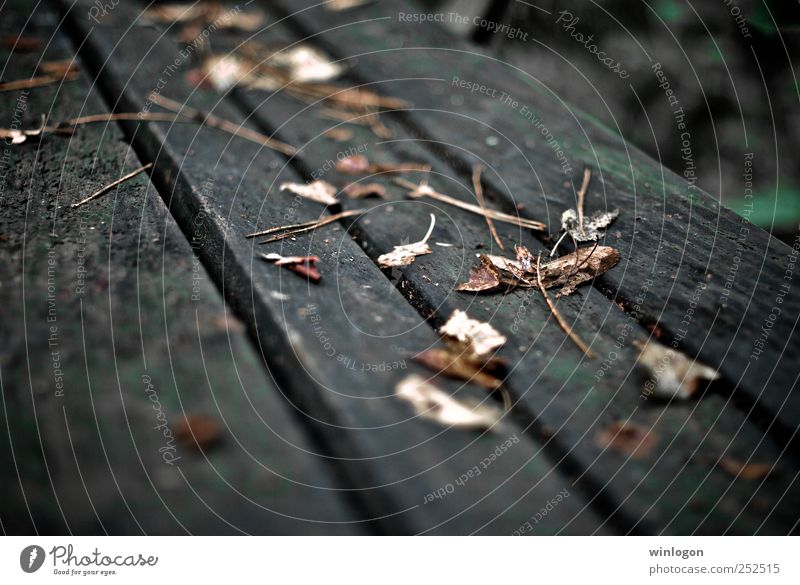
(150, 303)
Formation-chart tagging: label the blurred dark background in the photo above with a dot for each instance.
(729, 62)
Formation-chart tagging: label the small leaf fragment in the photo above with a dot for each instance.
(363, 190)
(593, 226)
(674, 375)
(406, 254)
(432, 403)
(746, 471)
(198, 431)
(481, 278)
(318, 191)
(628, 438)
(477, 340)
(302, 265)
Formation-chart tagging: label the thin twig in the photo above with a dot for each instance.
(587, 175)
(561, 322)
(585, 260)
(110, 186)
(476, 184)
(425, 191)
(305, 227)
(225, 125)
(32, 82)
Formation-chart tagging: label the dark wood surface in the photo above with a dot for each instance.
(311, 443)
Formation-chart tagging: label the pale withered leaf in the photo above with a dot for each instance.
(318, 191)
(407, 253)
(673, 374)
(226, 71)
(432, 403)
(477, 340)
(337, 5)
(306, 64)
(593, 225)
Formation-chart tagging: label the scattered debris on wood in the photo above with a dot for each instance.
(746, 471)
(561, 321)
(317, 191)
(628, 438)
(574, 224)
(227, 126)
(424, 190)
(673, 374)
(292, 230)
(364, 190)
(302, 265)
(358, 164)
(405, 254)
(53, 72)
(476, 185)
(432, 403)
(197, 431)
(111, 185)
(567, 272)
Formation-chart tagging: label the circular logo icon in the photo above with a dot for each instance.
(31, 558)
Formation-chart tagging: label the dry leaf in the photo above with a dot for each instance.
(629, 438)
(318, 191)
(407, 253)
(360, 190)
(198, 431)
(432, 403)
(477, 340)
(305, 63)
(674, 374)
(205, 13)
(302, 265)
(592, 226)
(747, 471)
(226, 71)
(481, 278)
(18, 136)
(456, 365)
(567, 272)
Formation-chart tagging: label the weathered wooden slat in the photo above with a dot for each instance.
(718, 283)
(570, 398)
(111, 327)
(322, 342)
